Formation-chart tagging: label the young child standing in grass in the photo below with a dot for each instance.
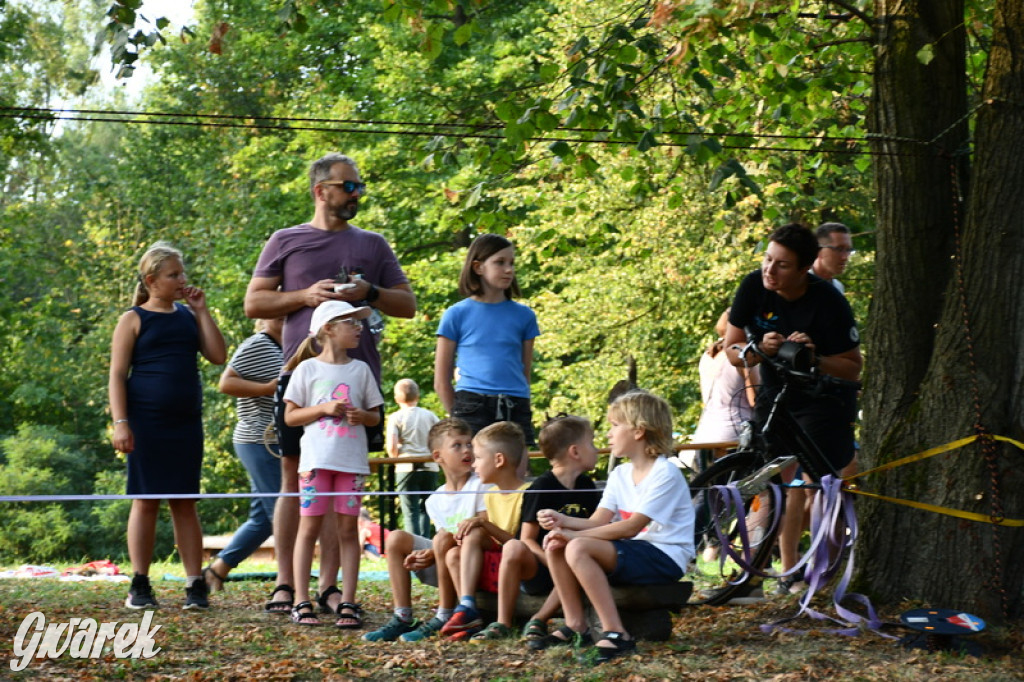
(651, 544)
(568, 443)
(450, 443)
(406, 434)
(488, 338)
(156, 402)
(334, 397)
(497, 452)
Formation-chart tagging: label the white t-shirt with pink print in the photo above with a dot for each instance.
(331, 442)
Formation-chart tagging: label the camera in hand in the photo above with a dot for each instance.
(797, 356)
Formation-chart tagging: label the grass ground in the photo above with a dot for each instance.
(235, 640)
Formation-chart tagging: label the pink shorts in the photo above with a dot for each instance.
(312, 483)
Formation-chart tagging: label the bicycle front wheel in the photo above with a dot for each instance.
(715, 583)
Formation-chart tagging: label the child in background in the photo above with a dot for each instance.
(372, 536)
(568, 443)
(450, 442)
(406, 435)
(651, 543)
(333, 397)
(497, 452)
(156, 402)
(488, 338)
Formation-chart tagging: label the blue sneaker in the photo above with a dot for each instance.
(395, 628)
(426, 630)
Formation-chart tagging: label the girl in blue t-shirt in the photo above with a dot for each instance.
(485, 342)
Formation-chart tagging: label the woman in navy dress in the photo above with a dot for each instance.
(156, 404)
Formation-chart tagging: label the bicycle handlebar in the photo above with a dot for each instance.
(786, 369)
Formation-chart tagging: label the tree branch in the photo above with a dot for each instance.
(830, 43)
(863, 16)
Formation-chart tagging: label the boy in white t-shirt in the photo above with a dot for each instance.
(641, 533)
(450, 442)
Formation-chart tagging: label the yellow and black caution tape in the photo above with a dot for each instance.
(970, 516)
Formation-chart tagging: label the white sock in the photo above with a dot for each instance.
(444, 614)
(404, 613)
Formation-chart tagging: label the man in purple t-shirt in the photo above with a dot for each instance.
(297, 271)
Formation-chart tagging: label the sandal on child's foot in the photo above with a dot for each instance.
(280, 607)
(304, 614)
(349, 616)
(535, 629)
(214, 580)
(493, 632)
(325, 600)
(620, 646)
(563, 636)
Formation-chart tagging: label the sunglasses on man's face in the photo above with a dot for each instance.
(347, 185)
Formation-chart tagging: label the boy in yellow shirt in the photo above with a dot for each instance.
(497, 452)
(568, 443)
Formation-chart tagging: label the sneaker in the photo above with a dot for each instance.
(197, 596)
(140, 596)
(463, 623)
(463, 636)
(395, 628)
(426, 630)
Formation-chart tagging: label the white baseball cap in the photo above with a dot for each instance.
(332, 310)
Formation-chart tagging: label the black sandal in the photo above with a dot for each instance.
(355, 614)
(569, 637)
(281, 607)
(620, 647)
(325, 605)
(305, 614)
(207, 572)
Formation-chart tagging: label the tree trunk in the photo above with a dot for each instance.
(944, 350)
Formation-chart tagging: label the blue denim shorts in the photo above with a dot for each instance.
(641, 563)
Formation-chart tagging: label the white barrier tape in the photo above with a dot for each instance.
(229, 496)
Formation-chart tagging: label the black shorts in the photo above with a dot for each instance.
(290, 436)
(540, 584)
(480, 410)
(287, 436)
(827, 418)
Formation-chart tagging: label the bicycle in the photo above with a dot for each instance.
(738, 499)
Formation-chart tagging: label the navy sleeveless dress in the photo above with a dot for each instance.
(165, 404)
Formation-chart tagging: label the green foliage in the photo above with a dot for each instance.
(42, 461)
(625, 153)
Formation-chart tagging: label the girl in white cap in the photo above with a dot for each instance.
(333, 397)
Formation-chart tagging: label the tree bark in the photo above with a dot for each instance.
(945, 353)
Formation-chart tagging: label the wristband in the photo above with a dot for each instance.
(120, 421)
(373, 294)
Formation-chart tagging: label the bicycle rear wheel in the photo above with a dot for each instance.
(715, 584)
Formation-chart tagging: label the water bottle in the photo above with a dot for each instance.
(375, 322)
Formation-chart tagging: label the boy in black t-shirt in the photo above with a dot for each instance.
(568, 443)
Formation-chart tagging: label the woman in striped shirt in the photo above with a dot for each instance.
(251, 376)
